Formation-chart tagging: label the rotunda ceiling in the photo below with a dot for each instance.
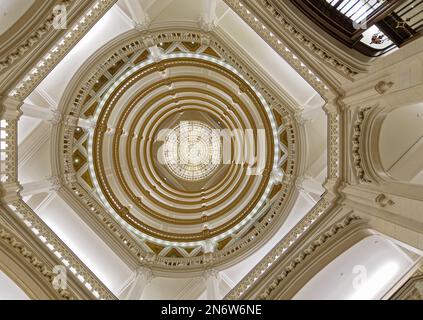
(131, 123)
(179, 147)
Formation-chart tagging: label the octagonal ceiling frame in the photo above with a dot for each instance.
(328, 92)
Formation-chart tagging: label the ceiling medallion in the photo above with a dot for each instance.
(192, 150)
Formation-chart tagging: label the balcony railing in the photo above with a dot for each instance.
(373, 27)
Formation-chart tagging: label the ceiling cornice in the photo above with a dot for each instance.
(35, 21)
(295, 28)
(27, 85)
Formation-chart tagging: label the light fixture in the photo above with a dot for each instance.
(192, 150)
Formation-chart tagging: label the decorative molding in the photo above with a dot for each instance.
(244, 9)
(277, 43)
(9, 168)
(382, 87)
(356, 147)
(273, 256)
(382, 200)
(10, 187)
(89, 281)
(27, 86)
(37, 35)
(275, 40)
(62, 47)
(412, 289)
(333, 145)
(10, 108)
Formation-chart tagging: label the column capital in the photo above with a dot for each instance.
(309, 184)
(49, 184)
(206, 25)
(141, 278)
(144, 272)
(208, 19)
(306, 186)
(210, 273)
(142, 26)
(139, 17)
(56, 183)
